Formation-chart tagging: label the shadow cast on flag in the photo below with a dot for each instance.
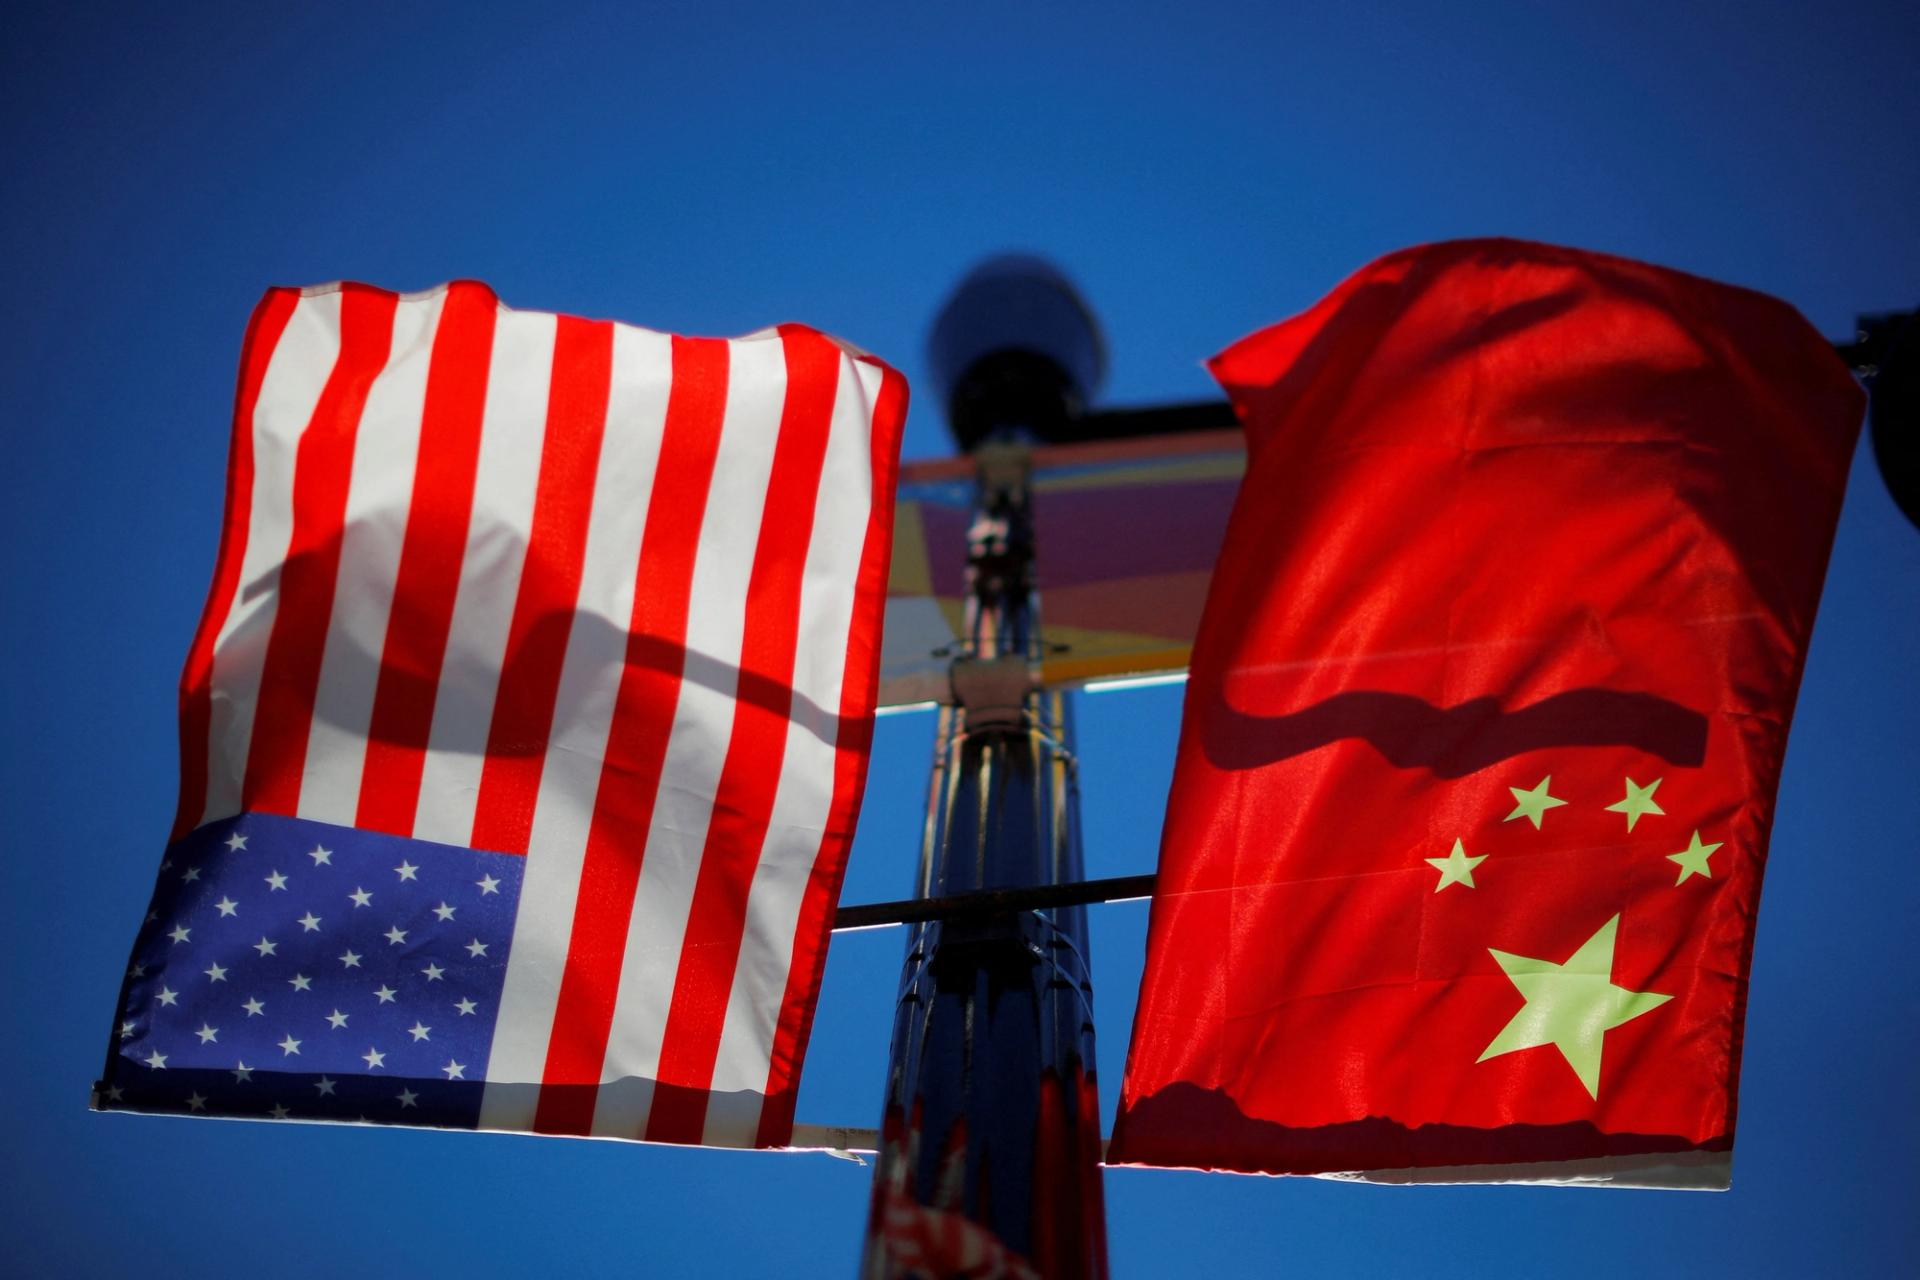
(1455, 741)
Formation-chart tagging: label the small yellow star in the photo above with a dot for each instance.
(1533, 805)
(1456, 867)
(1639, 801)
(1693, 859)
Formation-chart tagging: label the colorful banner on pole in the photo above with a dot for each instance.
(1126, 534)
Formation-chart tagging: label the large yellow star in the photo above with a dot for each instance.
(1693, 859)
(1639, 801)
(1570, 1006)
(1456, 867)
(1533, 805)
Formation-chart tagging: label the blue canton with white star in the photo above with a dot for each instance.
(299, 970)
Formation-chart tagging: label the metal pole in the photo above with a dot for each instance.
(990, 1138)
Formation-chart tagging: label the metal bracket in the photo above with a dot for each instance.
(1004, 466)
(993, 691)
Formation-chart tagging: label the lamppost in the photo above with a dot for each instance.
(990, 1142)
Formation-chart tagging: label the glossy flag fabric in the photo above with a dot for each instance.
(524, 732)
(1484, 726)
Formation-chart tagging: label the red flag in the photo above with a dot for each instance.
(1485, 723)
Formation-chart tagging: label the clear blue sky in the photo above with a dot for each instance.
(1201, 172)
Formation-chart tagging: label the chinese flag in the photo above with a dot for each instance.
(1484, 726)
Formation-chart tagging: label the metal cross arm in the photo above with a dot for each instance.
(876, 915)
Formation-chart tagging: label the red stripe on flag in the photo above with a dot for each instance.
(858, 692)
(549, 586)
(269, 321)
(429, 574)
(637, 738)
(750, 775)
(323, 470)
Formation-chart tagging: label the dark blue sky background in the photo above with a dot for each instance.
(1200, 171)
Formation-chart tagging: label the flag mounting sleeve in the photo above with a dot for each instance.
(1484, 726)
(524, 733)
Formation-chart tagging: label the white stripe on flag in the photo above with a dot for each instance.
(805, 794)
(379, 495)
(289, 392)
(583, 711)
(512, 431)
(702, 726)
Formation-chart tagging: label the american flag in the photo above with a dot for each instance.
(524, 732)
